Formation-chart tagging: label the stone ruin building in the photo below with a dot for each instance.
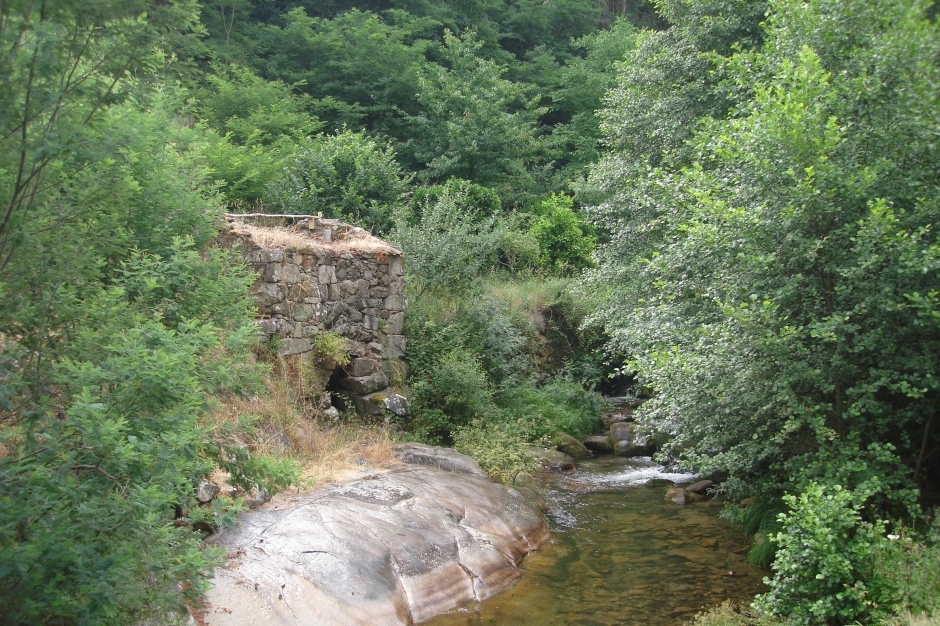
(319, 276)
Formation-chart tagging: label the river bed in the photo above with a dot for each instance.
(621, 554)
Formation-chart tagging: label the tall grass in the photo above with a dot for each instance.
(289, 426)
(530, 294)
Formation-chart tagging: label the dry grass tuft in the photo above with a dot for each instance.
(285, 238)
(280, 237)
(337, 451)
(528, 295)
(288, 426)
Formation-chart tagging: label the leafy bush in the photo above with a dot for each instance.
(446, 247)
(501, 448)
(771, 268)
(906, 577)
(823, 559)
(117, 326)
(451, 393)
(255, 126)
(475, 124)
(490, 338)
(566, 242)
(348, 175)
(473, 200)
(244, 173)
(518, 249)
(253, 111)
(329, 347)
(556, 405)
(493, 334)
(727, 614)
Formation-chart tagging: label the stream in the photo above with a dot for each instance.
(621, 554)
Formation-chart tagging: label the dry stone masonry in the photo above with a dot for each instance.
(318, 276)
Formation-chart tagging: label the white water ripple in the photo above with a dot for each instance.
(638, 471)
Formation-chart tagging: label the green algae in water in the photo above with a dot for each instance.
(621, 555)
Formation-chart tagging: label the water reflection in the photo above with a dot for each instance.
(621, 555)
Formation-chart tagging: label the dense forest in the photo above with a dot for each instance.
(727, 206)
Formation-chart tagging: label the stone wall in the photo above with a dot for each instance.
(319, 276)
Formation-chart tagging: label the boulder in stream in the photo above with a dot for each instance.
(680, 496)
(628, 441)
(616, 417)
(699, 487)
(570, 446)
(552, 460)
(599, 443)
(621, 431)
(391, 548)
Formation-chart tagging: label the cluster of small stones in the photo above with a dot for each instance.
(623, 438)
(307, 289)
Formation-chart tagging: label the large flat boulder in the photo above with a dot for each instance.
(394, 548)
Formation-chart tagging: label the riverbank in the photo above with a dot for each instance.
(622, 554)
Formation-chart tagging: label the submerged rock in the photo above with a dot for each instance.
(393, 549)
(678, 495)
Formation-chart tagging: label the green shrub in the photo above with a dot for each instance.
(726, 614)
(118, 327)
(906, 577)
(494, 336)
(438, 323)
(252, 110)
(823, 559)
(470, 359)
(760, 521)
(330, 348)
(451, 394)
(348, 175)
(447, 248)
(499, 447)
(518, 249)
(255, 126)
(556, 405)
(566, 242)
(476, 201)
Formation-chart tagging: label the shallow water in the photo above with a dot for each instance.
(621, 554)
